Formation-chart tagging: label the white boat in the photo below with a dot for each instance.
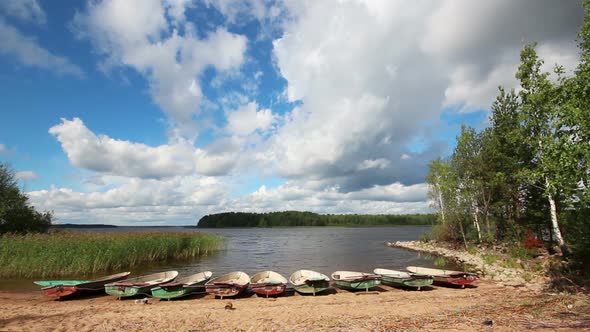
(309, 282)
(268, 283)
(139, 285)
(353, 280)
(403, 279)
(230, 284)
(446, 277)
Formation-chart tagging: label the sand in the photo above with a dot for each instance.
(389, 309)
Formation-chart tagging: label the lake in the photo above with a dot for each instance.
(285, 250)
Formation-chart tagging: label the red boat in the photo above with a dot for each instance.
(268, 283)
(230, 284)
(59, 289)
(446, 277)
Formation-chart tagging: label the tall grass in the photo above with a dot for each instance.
(70, 253)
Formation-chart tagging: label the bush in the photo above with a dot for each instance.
(425, 237)
(16, 213)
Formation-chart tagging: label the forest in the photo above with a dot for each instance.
(297, 218)
(526, 176)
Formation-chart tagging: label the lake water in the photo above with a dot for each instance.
(285, 250)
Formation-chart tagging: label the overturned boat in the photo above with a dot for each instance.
(268, 283)
(140, 285)
(309, 282)
(352, 280)
(59, 289)
(404, 279)
(447, 278)
(230, 284)
(183, 286)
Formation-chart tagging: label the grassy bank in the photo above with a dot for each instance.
(72, 253)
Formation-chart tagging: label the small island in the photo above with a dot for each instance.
(307, 219)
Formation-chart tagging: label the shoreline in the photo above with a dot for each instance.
(387, 309)
(494, 272)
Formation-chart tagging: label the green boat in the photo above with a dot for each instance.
(351, 280)
(140, 285)
(404, 279)
(182, 287)
(50, 283)
(309, 282)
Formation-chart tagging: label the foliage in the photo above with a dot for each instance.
(425, 237)
(296, 218)
(16, 213)
(525, 178)
(75, 253)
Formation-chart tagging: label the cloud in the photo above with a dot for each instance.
(177, 199)
(26, 175)
(249, 118)
(483, 46)
(234, 10)
(138, 34)
(26, 50)
(2, 148)
(104, 154)
(371, 75)
(25, 10)
(185, 199)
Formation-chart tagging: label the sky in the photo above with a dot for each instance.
(158, 112)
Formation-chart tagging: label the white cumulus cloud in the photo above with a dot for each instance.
(138, 34)
(104, 154)
(249, 118)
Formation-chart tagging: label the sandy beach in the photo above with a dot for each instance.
(489, 306)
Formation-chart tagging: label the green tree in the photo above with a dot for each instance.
(540, 104)
(505, 157)
(16, 213)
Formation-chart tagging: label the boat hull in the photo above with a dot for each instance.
(127, 291)
(357, 285)
(60, 289)
(168, 292)
(312, 287)
(268, 289)
(174, 292)
(225, 290)
(454, 281)
(417, 283)
(49, 283)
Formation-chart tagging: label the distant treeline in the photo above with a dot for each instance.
(82, 226)
(296, 218)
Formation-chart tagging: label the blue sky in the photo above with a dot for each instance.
(162, 111)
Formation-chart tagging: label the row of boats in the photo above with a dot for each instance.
(165, 285)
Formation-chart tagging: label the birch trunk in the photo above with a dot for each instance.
(554, 224)
(476, 220)
(442, 207)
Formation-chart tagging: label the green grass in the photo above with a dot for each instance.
(511, 263)
(490, 259)
(520, 252)
(526, 303)
(71, 253)
(440, 262)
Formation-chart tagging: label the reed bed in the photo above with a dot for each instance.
(74, 253)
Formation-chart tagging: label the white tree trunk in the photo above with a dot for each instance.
(476, 220)
(554, 223)
(442, 206)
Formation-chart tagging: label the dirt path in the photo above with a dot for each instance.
(510, 309)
